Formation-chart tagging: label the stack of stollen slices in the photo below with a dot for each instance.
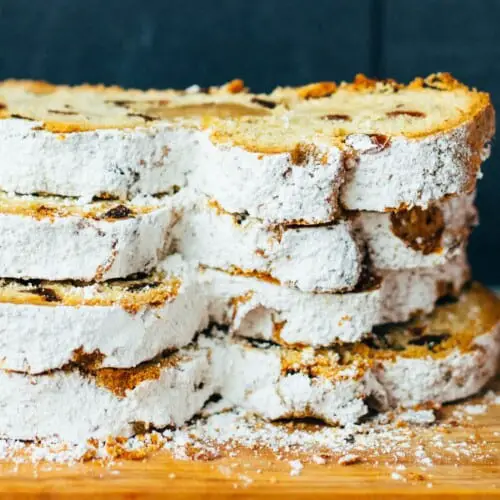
(322, 229)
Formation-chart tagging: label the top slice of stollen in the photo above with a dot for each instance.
(291, 155)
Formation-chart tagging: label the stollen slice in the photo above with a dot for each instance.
(44, 325)
(258, 308)
(447, 355)
(295, 155)
(55, 238)
(365, 145)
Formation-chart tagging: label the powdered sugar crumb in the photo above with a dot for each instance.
(479, 409)
(397, 477)
(492, 398)
(349, 459)
(296, 466)
(419, 417)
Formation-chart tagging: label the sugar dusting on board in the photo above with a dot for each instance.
(421, 438)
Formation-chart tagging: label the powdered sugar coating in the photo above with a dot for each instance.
(409, 172)
(272, 187)
(120, 163)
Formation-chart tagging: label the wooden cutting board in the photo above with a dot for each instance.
(261, 474)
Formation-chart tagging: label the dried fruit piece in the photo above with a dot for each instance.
(405, 112)
(118, 212)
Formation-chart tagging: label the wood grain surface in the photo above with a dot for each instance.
(261, 474)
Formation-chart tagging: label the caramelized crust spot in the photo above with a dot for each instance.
(235, 86)
(317, 90)
(87, 360)
(119, 380)
(302, 154)
(236, 271)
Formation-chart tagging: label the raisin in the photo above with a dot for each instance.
(47, 294)
(118, 212)
(20, 117)
(381, 141)
(447, 300)
(338, 117)
(403, 112)
(121, 104)
(138, 287)
(62, 112)
(264, 102)
(146, 118)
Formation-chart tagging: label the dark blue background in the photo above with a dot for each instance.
(154, 43)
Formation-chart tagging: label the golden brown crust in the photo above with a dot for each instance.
(90, 360)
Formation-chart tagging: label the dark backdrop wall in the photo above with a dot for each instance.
(155, 43)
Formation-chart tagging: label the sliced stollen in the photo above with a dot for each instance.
(64, 238)
(366, 145)
(79, 402)
(261, 309)
(330, 257)
(45, 325)
(283, 157)
(323, 258)
(447, 355)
